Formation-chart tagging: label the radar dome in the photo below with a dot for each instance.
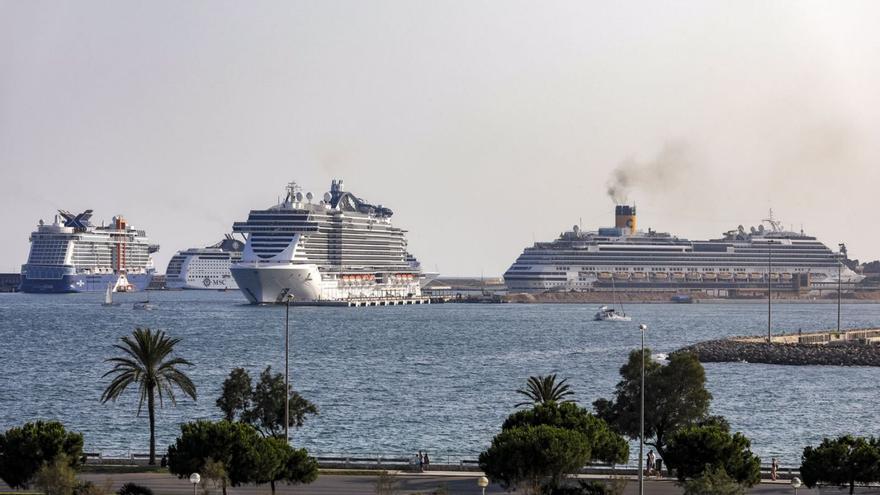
(309, 196)
(327, 197)
(299, 197)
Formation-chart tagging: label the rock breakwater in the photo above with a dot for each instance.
(838, 354)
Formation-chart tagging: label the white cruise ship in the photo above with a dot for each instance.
(205, 268)
(75, 256)
(741, 262)
(335, 249)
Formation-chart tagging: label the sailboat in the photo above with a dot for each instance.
(108, 296)
(610, 314)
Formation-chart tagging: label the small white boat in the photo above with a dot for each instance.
(108, 297)
(609, 314)
(143, 305)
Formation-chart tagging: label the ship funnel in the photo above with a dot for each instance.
(625, 217)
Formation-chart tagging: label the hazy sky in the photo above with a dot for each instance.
(483, 125)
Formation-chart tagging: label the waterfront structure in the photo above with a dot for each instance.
(204, 268)
(336, 249)
(72, 255)
(624, 257)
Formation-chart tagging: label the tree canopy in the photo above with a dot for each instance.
(534, 456)
(544, 390)
(694, 450)
(262, 406)
(675, 396)
(24, 450)
(844, 461)
(245, 455)
(605, 444)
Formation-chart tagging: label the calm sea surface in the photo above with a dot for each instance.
(395, 380)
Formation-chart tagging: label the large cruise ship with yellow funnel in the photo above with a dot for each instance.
(623, 257)
(333, 249)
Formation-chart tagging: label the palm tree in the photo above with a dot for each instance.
(544, 390)
(147, 363)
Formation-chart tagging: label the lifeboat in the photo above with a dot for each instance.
(742, 276)
(709, 276)
(660, 275)
(725, 276)
(621, 275)
(678, 276)
(774, 276)
(605, 275)
(693, 276)
(639, 276)
(786, 276)
(756, 276)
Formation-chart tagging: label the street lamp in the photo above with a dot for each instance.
(195, 479)
(795, 483)
(483, 482)
(840, 256)
(642, 329)
(287, 368)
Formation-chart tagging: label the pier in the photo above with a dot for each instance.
(857, 347)
(367, 302)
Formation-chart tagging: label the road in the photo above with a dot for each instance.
(406, 483)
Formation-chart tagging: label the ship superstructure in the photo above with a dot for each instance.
(72, 255)
(205, 268)
(335, 249)
(741, 261)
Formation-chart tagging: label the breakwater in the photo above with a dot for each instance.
(849, 348)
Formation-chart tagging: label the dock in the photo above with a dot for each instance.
(368, 302)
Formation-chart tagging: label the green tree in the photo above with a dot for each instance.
(693, 450)
(713, 481)
(147, 362)
(534, 457)
(544, 390)
(246, 456)
(675, 396)
(24, 450)
(845, 461)
(605, 444)
(263, 405)
(237, 393)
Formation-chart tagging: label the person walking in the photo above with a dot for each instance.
(421, 462)
(650, 464)
(774, 468)
(427, 462)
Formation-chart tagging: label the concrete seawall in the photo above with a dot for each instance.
(850, 348)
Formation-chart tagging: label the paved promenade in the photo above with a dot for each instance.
(409, 483)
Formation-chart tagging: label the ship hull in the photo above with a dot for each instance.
(67, 283)
(266, 284)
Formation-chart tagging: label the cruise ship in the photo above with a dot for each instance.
(335, 249)
(205, 268)
(72, 255)
(622, 257)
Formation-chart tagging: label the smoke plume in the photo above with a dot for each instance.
(668, 169)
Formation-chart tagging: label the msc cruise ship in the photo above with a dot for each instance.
(623, 257)
(337, 248)
(76, 256)
(205, 268)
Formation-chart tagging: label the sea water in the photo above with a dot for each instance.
(395, 380)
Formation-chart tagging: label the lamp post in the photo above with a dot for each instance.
(287, 369)
(769, 286)
(795, 483)
(642, 329)
(483, 482)
(840, 256)
(195, 479)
